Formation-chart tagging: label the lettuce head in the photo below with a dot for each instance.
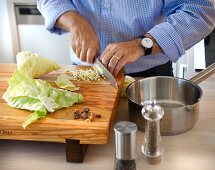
(34, 65)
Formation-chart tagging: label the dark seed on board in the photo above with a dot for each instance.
(86, 109)
(84, 115)
(76, 115)
(98, 115)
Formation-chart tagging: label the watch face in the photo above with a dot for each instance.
(147, 42)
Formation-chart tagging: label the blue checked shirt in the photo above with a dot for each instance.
(176, 25)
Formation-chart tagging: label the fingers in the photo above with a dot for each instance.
(113, 62)
(112, 56)
(107, 55)
(86, 54)
(77, 52)
(91, 54)
(84, 42)
(122, 62)
(82, 55)
(107, 49)
(111, 49)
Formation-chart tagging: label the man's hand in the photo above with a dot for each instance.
(83, 38)
(117, 55)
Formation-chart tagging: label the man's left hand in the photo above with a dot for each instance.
(117, 55)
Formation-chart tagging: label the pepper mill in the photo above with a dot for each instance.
(152, 145)
(125, 144)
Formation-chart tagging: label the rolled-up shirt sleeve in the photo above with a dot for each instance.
(51, 10)
(187, 22)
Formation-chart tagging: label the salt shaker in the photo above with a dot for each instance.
(125, 144)
(152, 145)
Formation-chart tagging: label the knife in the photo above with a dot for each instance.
(108, 76)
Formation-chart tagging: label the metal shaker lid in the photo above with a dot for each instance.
(125, 140)
(152, 111)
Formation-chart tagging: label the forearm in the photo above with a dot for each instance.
(68, 20)
(83, 38)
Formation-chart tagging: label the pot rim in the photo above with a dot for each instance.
(167, 77)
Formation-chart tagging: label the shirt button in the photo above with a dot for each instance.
(106, 4)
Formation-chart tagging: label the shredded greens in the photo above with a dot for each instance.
(89, 74)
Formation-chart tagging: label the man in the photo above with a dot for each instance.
(145, 36)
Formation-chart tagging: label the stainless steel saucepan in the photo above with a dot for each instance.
(179, 98)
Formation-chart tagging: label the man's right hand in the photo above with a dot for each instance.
(83, 38)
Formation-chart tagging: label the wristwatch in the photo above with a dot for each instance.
(147, 44)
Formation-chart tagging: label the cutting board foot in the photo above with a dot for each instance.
(75, 151)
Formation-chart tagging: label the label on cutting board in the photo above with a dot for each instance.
(5, 132)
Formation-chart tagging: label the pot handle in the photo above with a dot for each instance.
(203, 74)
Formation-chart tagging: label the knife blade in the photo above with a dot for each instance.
(108, 76)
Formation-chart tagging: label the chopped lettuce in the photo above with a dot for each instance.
(90, 74)
(37, 95)
(34, 65)
(64, 83)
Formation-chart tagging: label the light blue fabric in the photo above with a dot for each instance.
(176, 25)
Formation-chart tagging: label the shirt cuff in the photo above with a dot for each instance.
(51, 15)
(169, 40)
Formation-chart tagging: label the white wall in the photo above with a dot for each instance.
(6, 54)
(28, 37)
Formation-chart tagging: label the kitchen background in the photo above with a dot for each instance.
(22, 28)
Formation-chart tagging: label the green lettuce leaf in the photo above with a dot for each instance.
(65, 98)
(37, 95)
(64, 83)
(33, 117)
(30, 94)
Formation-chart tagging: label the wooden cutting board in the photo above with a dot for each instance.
(100, 97)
